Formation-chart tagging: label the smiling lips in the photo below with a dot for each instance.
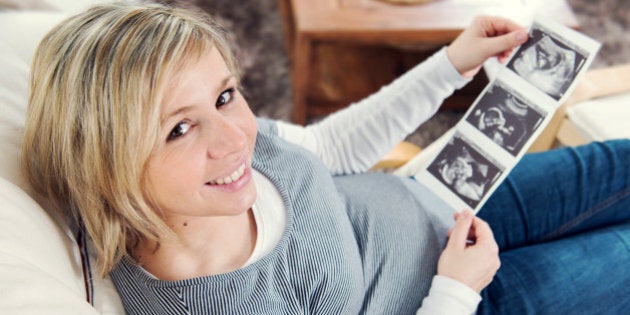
(236, 175)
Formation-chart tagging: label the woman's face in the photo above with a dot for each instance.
(202, 164)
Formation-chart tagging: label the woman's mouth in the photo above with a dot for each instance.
(235, 176)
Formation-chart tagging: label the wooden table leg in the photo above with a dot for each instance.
(302, 52)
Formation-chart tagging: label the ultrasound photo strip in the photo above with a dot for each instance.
(505, 116)
(465, 170)
(508, 115)
(549, 61)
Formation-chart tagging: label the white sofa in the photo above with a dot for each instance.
(599, 109)
(41, 265)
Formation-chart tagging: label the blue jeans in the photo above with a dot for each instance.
(561, 220)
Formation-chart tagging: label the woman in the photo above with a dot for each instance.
(136, 127)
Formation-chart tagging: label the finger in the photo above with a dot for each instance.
(503, 26)
(483, 232)
(500, 44)
(456, 214)
(471, 235)
(504, 55)
(460, 230)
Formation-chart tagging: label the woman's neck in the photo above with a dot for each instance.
(201, 247)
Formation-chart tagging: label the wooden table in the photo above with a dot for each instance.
(365, 40)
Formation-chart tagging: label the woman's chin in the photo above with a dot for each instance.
(245, 200)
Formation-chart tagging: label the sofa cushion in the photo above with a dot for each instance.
(41, 265)
(38, 260)
(602, 118)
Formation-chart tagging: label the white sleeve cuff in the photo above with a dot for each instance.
(449, 296)
(451, 73)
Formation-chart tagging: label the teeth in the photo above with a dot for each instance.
(229, 179)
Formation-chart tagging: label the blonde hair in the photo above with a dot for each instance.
(97, 81)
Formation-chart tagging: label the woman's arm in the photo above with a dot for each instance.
(466, 266)
(449, 297)
(354, 139)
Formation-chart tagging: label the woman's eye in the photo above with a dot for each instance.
(178, 131)
(225, 97)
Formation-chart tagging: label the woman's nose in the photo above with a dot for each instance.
(225, 138)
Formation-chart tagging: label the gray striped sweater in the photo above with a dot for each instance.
(352, 244)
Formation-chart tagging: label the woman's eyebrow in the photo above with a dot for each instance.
(224, 82)
(175, 113)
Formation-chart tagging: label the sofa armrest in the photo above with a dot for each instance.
(595, 83)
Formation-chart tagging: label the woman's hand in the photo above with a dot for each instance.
(471, 255)
(484, 38)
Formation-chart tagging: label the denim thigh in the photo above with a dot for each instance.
(581, 274)
(562, 192)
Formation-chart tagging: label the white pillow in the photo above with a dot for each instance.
(40, 262)
(13, 96)
(67, 6)
(22, 30)
(602, 118)
(25, 5)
